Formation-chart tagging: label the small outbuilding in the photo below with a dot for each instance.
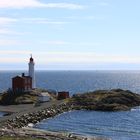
(63, 95)
(44, 97)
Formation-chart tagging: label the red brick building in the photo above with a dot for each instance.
(63, 95)
(22, 83)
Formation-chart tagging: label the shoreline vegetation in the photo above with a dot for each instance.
(101, 100)
(106, 100)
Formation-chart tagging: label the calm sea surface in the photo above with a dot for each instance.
(116, 125)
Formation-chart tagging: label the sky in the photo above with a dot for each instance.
(70, 34)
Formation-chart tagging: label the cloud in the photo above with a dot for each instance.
(88, 17)
(89, 57)
(14, 56)
(71, 58)
(82, 58)
(64, 5)
(9, 42)
(6, 21)
(4, 25)
(36, 3)
(11, 60)
(42, 21)
(72, 44)
(56, 42)
(13, 52)
(6, 31)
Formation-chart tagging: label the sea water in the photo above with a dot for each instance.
(115, 125)
(2, 114)
(78, 81)
(124, 125)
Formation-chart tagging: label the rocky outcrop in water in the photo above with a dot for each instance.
(106, 100)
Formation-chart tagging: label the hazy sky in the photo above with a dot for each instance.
(70, 34)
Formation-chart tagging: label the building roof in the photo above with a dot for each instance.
(27, 76)
(18, 77)
(21, 77)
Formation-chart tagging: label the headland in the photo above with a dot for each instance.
(23, 115)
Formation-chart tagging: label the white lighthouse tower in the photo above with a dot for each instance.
(32, 71)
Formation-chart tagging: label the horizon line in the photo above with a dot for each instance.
(72, 70)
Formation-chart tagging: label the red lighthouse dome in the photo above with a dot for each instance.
(31, 59)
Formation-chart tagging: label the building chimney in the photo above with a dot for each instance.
(23, 74)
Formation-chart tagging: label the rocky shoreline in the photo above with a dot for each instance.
(35, 117)
(19, 125)
(42, 134)
(103, 100)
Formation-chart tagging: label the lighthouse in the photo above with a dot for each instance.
(32, 71)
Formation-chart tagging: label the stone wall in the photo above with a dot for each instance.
(35, 117)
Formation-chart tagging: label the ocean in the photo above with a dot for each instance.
(2, 114)
(123, 125)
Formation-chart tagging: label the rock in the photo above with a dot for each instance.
(29, 119)
(30, 125)
(106, 100)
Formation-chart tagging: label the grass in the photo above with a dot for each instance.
(17, 98)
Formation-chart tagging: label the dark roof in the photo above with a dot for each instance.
(31, 59)
(24, 77)
(17, 77)
(27, 76)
